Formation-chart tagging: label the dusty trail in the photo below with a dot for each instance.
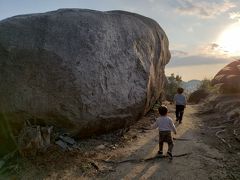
(208, 158)
(204, 162)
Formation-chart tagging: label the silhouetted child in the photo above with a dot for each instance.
(180, 102)
(165, 125)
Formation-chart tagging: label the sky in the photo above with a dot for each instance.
(203, 34)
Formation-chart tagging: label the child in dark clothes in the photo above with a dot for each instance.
(180, 102)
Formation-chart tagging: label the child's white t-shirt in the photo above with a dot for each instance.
(164, 123)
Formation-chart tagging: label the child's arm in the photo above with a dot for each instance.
(174, 99)
(185, 102)
(173, 126)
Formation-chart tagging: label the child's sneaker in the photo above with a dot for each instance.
(170, 155)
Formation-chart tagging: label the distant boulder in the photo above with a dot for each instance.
(197, 96)
(86, 72)
(228, 78)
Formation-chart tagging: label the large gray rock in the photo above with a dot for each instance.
(228, 78)
(197, 96)
(81, 70)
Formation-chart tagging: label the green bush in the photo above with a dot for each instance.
(207, 86)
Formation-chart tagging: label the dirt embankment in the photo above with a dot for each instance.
(220, 115)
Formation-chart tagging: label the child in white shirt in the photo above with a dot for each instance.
(165, 125)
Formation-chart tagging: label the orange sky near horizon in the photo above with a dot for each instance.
(198, 72)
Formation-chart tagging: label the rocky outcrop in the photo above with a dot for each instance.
(225, 104)
(228, 78)
(197, 96)
(83, 71)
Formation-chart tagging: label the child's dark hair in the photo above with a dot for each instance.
(163, 110)
(180, 90)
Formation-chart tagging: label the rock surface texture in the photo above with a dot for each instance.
(84, 71)
(198, 96)
(228, 78)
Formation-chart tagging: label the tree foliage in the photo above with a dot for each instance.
(173, 84)
(206, 84)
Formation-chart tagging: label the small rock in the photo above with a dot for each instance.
(68, 140)
(62, 144)
(112, 147)
(116, 145)
(100, 147)
(69, 148)
(75, 146)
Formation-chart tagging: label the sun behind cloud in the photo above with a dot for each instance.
(229, 40)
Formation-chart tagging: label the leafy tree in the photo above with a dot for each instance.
(206, 84)
(203, 91)
(174, 82)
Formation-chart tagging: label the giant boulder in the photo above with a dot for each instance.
(84, 71)
(228, 78)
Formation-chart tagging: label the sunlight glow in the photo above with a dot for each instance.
(229, 40)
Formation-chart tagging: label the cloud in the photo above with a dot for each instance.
(177, 61)
(151, 1)
(204, 9)
(178, 53)
(235, 15)
(214, 49)
(214, 46)
(190, 29)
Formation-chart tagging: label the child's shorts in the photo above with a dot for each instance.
(165, 136)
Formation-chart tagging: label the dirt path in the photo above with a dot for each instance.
(204, 162)
(209, 157)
